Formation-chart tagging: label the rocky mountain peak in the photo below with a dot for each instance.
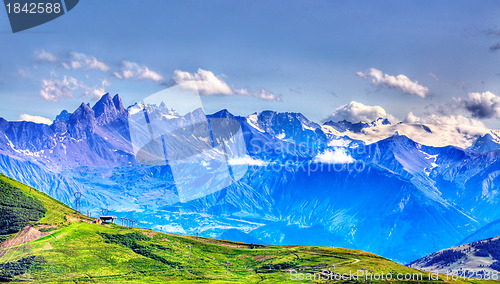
(84, 111)
(82, 121)
(108, 109)
(63, 116)
(119, 104)
(485, 144)
(223, 114)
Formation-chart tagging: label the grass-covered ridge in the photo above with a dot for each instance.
(57, 213)
(81, 252)
(17, 210)
(10, 270)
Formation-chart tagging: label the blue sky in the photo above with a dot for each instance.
(430, 58)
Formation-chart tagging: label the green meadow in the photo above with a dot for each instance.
(74, 250)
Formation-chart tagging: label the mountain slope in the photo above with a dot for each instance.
(295, 182)
(17, 210)
(56, 211)
(78, 251)
(21, 206)
(492, 229)
(475, 259)
(439, 134)
(486, 143)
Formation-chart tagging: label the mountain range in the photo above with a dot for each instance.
(479, 259)
(396, 189)
(45, 241)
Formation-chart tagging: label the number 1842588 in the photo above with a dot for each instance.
(34, 8)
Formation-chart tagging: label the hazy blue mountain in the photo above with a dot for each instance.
(63, 116)
(394, 197)
(492, 229)
(485, 143)
(345, 125)
(480, 259)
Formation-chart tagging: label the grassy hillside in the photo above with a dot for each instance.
(57, 213)
(81, 252)
(17, 210)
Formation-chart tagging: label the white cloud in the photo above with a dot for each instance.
(43, 55)
(267, 96)
(52, 90)
(96, 92)
(246, 160)
(454, 129)
(137, 71)
(80, 60)
(411, 118)
(358, 112)
(208, 84)
(25, 73)
(482, 105)
(337, 156)
(434, 76)
(399, 82)
(35, 119)
(105, 83)
(338, 143)
(450, 120)
(262, 94)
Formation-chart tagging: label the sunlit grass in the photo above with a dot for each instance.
(77, 251)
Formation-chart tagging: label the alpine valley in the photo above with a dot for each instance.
(399, 190)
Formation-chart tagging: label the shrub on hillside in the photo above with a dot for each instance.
(447, 256)
(17, 209)
(489, 247)
(130, 241)
(9, 270)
